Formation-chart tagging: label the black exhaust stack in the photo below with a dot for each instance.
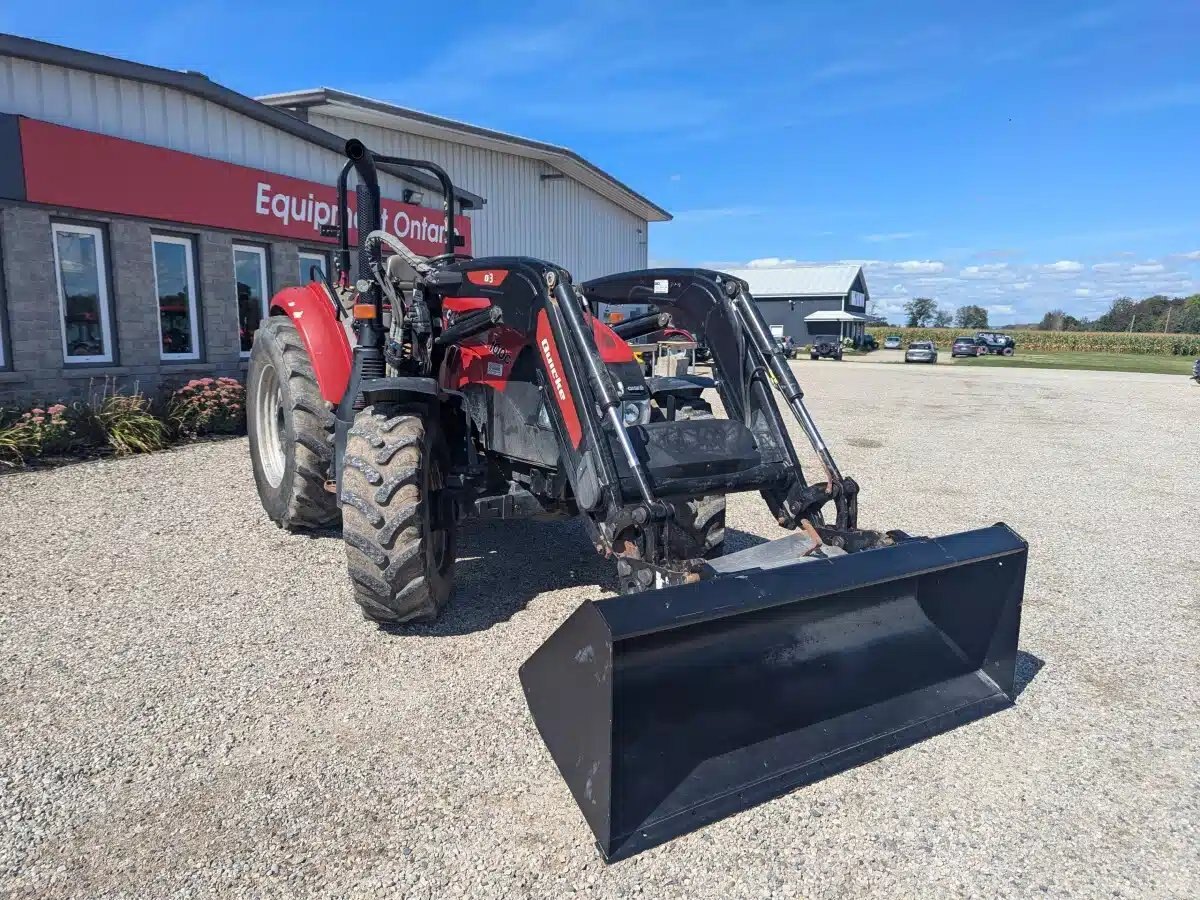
(668, 710)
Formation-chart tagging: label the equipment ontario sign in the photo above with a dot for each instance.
(84, 170)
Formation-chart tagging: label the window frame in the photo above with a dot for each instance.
(104, 300)
(5, 355)
(193, 297)
(265, 268)
(313, 255)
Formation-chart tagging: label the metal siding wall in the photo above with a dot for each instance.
(162, 116)
(560, 220)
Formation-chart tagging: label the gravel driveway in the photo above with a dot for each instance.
(193, 707)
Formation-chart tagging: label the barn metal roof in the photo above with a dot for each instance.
(833, 315)
(201, 86)
(332, 102)
(800, 281)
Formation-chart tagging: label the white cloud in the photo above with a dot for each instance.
(920, 265)
(1064, 266)
(1017, 291)
(1194, 254)
(770, 262)
(890, 236)
(676, 177)
(987, 270)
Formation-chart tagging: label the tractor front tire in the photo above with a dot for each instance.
(290, 428)
(399, 546)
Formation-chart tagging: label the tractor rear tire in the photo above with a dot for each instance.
(290, 426)
(400, 562)
(700, 522)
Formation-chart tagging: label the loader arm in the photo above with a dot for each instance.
(718, 309)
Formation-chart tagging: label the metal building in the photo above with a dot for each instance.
(147, 215)
(811, 301)
(542, 200)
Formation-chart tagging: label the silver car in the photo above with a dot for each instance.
(921, 351)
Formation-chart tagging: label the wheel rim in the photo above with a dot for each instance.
(269, 426)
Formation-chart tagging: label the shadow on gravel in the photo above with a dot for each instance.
(502, 566)
(1028, 667)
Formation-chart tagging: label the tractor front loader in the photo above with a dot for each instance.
(486, 388)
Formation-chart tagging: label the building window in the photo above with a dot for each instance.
(307, 261)
(250, 273)
(82, 293)
(175, 285)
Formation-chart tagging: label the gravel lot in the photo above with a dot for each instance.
(193, 707)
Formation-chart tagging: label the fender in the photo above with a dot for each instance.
(324, 337)
(612, 348)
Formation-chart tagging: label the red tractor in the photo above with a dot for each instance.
(486, 388)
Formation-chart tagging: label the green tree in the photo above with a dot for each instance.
(1187, 319)
(1121, 316)
(1053, 320)
(921, 311)
(943, 318)
(971, 317)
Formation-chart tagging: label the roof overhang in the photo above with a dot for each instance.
(833, 315)
(201, 86)
(353, 108)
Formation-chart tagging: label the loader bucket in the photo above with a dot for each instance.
(668, 710)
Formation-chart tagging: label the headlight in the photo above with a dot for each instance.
(635, 412)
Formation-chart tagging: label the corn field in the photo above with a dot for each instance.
(1051, 341)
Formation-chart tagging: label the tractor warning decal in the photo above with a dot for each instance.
(554, 373)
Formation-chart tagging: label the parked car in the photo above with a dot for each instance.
(965, 345)
(829, 348)
(921, 351)
(892, 342)
(997, 342)
(1196, 371)
(787, 346)
(868, 343)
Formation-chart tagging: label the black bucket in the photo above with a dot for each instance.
(671, 709)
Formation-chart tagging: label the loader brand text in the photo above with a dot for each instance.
(554, 376)
(408, 222)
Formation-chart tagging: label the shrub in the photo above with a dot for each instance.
(208, 406)
(129, 425)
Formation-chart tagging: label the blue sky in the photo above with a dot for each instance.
(1019, 155)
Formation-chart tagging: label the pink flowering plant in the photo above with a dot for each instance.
(208, 406)
(40, 431)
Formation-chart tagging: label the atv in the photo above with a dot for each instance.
(428, 392)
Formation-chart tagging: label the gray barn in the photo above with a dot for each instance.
(811, 301)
